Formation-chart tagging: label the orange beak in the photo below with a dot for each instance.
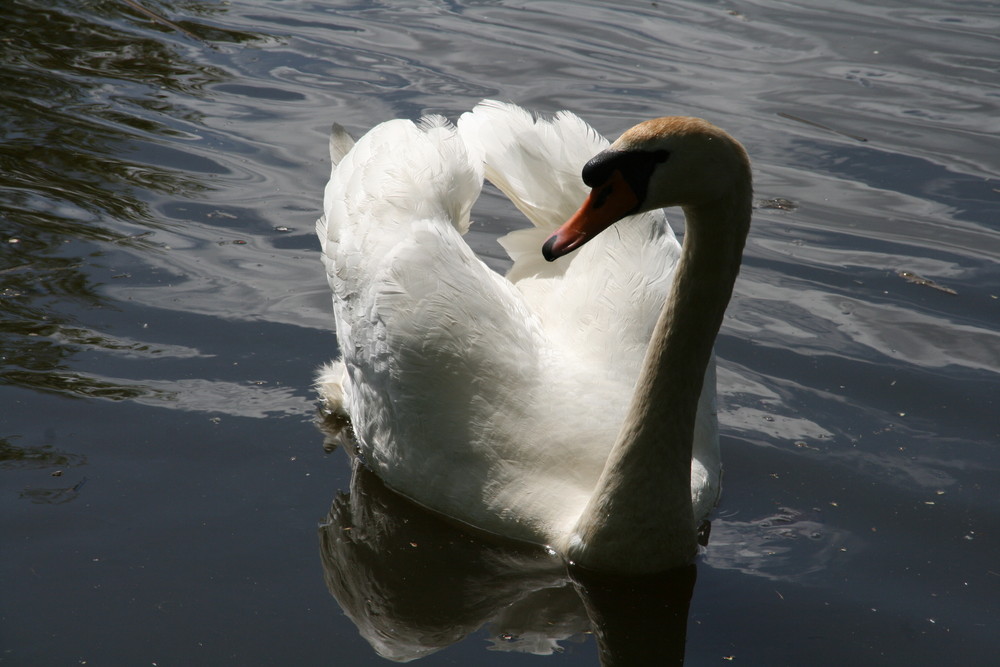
(605, 205)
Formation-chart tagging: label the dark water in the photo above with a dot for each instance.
(163, 309)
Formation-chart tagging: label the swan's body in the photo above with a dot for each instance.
(522, 405)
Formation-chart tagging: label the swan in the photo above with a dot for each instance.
(570, 403)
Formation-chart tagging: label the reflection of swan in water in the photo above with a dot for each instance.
(413, 583)
(529, 406)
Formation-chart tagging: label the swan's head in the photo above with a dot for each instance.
(671, 161)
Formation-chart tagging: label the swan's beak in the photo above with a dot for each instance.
(605, 205)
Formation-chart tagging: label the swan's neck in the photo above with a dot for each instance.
(640, 517)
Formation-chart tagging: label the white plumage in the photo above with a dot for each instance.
(493, 400)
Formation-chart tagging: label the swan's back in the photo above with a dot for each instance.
(444, 359)
(492, 400)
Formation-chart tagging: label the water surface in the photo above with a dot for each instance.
(163, 310)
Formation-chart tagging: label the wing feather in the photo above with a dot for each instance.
(604, 298)
(418, 314)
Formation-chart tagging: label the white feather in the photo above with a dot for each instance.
(494, 400)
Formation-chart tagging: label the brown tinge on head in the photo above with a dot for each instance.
(650, 130)
(621, 175)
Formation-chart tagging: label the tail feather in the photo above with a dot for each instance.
(341, 143)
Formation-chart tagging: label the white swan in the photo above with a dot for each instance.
(528, 405)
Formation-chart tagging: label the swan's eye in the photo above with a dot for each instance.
(659, 156)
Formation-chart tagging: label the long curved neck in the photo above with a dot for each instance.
(640, 518)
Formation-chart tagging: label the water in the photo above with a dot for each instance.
(164, 309)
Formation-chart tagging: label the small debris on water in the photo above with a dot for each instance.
(911, 277)
(777, 203)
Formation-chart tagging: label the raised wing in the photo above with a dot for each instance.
(602, 300)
